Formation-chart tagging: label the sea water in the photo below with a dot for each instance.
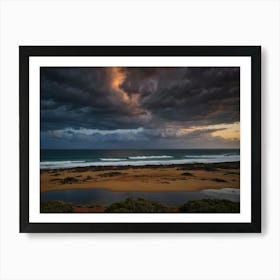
(52, 159)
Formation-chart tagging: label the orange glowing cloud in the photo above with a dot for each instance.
(117, 78)
(225, 131)
(228, 131)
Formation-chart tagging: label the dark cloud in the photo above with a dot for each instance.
(140, 138)
(136, 97)
(205, 96)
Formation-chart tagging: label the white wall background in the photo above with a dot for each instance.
(139, 256)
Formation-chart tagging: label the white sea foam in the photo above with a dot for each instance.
(150, 157)
(210, 156)
(113, 159)
(71, 164)
(59, 163)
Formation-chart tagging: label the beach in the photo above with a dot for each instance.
(159, 178)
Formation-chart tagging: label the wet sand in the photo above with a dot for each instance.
(183, 177)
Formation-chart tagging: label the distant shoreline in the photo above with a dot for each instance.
(147, 178)
(150, 163)
(197, 165)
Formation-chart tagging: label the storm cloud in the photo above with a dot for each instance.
(136, 107)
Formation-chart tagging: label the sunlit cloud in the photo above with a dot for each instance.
(229, 131)
(225, 131)
(117, 78)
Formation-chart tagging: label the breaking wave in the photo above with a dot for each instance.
(150, 157)
(112, 159)
(138, 161)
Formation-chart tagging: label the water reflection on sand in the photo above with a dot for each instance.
(103, 197)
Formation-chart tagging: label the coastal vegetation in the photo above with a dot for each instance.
(55, 206)
(137, 205)
(210, 206)
(140, 205)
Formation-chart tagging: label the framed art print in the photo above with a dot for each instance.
(140, 138)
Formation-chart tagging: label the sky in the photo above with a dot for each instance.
(140, 107)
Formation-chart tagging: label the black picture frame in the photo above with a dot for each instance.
(25, 52)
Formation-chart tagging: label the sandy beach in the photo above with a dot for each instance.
(164, 178)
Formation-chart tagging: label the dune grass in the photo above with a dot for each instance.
(137, 205)
(210, 206)
(140, 205)
(55, 206)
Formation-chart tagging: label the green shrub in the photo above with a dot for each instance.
(55, 206)
(136, 205)
(210, 206)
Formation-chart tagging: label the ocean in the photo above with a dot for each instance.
(53, 159)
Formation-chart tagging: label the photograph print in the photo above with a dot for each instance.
(140, 139)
